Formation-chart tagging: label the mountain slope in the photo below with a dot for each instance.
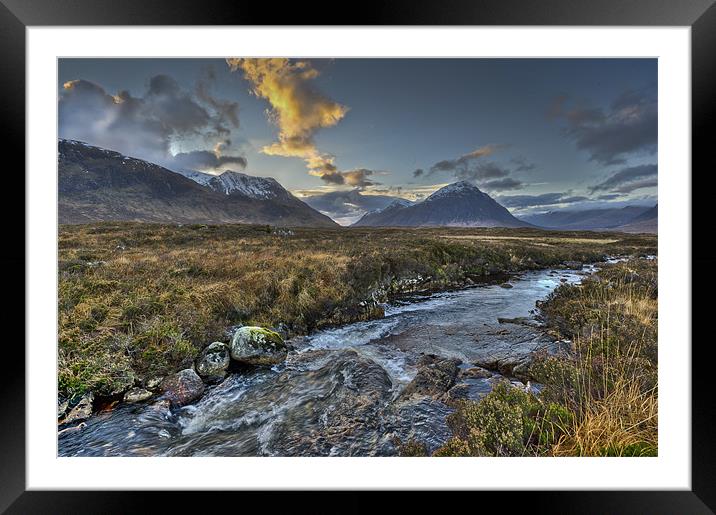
(235, 183)
(346, 207)
(97, 184)
(590, 219)
(648, 222)
(457, 205)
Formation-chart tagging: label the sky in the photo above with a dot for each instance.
(536, 134)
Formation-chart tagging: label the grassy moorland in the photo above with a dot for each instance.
(600, 401)
(141, 300)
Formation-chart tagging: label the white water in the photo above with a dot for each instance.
(292, 409)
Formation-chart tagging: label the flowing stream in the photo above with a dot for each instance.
(339, 392)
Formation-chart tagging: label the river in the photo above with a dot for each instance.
(339, 392)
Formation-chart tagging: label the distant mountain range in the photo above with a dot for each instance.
(346, 207)
(96, 184)
(460, 204)
(648, 221)
(598, 219)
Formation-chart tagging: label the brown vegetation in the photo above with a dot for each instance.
(602, 400)
(142, 300)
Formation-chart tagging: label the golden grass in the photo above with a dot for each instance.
(614, 382)
(137, 300)
(533, 240)
(601, 400)
(624, 423)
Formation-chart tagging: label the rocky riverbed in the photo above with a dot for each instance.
(356, 390)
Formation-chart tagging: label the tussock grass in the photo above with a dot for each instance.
(141, 300)
(614, 382)
(550, 241)
(601, 400)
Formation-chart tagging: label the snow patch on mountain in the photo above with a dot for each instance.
(456, 188)
(397, 203)
(231, 182)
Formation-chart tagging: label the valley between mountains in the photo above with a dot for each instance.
(97, 184)
(221, 315)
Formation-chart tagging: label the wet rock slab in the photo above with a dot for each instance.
(504, 347)
(434, 377)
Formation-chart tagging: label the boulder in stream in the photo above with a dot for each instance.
(257, 346)
(153, 383)
(137, 395)
(183, 387)
(213, 362)
(81, 411)
(435, 376)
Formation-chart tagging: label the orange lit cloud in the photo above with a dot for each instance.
(481, 152)
(297, 108)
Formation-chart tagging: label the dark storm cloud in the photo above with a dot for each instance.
(141, 126)
(206, 160)
(502, 184)
(544, 199)
(472, 167)
(446, 165)
(167, 103)
(227, 111)
(482, 172)
(628, 127)
(572, 200)
(357, 177)
(88, 113)
(637, 185)
(464, 163)
(522, 165)
(626, 179)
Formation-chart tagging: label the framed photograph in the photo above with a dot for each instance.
(441, 248)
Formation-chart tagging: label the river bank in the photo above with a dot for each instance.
(384, 382)
(598, 399)
(138, 302)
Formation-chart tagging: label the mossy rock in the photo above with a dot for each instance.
(253, 345)
(213, 362)
(138, 395)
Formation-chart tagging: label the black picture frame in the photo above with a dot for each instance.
(16, 15)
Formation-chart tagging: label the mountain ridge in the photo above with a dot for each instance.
(346, 207)
(98, 184)
(460, 204)
(647, 222)
(230, 182)
(598, 219)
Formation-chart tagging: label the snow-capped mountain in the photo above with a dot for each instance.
(460, 204)
(97, 184)
(345, 207)
(231, 183)
(397, 203)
